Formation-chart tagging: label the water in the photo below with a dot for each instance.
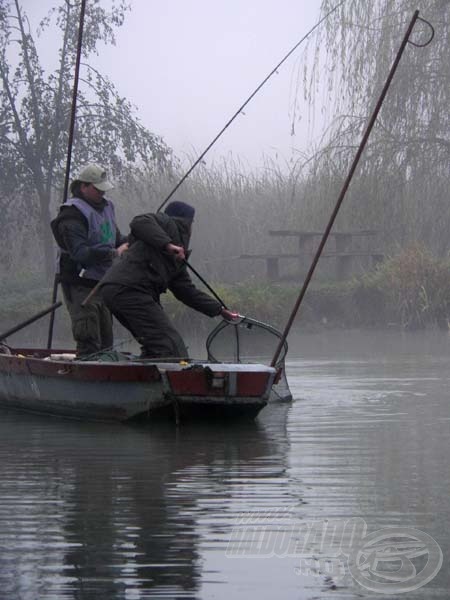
(91, 511)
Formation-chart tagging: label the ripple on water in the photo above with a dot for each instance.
(99, 511)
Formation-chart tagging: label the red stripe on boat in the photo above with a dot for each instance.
(198, 383)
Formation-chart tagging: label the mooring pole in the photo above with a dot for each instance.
(32, 319)
(69, 152)
(347, 183)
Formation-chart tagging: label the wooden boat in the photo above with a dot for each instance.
(120, 387)
(53, 382)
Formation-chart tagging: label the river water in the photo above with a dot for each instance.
(93, 512)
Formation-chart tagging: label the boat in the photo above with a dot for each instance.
(121, 387)
(53, 382)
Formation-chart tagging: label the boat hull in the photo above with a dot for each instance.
(112, 391)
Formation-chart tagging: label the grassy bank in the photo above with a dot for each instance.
(408, 291)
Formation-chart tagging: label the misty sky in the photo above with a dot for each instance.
(187, 65)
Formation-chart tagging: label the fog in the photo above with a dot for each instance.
(188, 66)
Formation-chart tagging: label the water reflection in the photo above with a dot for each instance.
(99, 511)
(103, 511)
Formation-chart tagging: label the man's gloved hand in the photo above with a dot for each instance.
(229, 315)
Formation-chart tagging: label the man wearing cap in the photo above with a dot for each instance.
(88, 239)
(154, 263)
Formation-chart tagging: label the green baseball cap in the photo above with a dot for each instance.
(96, 175)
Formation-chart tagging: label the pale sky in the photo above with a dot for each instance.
(187, 65)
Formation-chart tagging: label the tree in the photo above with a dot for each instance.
(403, 178)
(35, 112)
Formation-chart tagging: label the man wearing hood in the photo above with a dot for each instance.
(153, 264)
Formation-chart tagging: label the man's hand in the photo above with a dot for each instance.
(177, 251)
(122, 248)
(229, 315)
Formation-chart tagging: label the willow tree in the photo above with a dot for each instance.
(35, 111)
(402, 183)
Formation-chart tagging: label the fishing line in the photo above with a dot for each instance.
(202, 155)
(241, 108)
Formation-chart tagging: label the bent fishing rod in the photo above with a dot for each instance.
(222, 131)
(252, 95)
(348, 179)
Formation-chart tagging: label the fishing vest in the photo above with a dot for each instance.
(102, 232)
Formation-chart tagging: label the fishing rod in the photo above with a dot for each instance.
(205, 283)
(69, 150)
(185, 262)
(350, 175)
(230, 121)
(224, 128)
(252, 95)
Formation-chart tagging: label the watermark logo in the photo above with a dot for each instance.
(390, 560)
(395, 560)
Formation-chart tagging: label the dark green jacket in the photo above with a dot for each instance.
(146, 266)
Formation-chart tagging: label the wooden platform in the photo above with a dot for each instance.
(344, 251)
